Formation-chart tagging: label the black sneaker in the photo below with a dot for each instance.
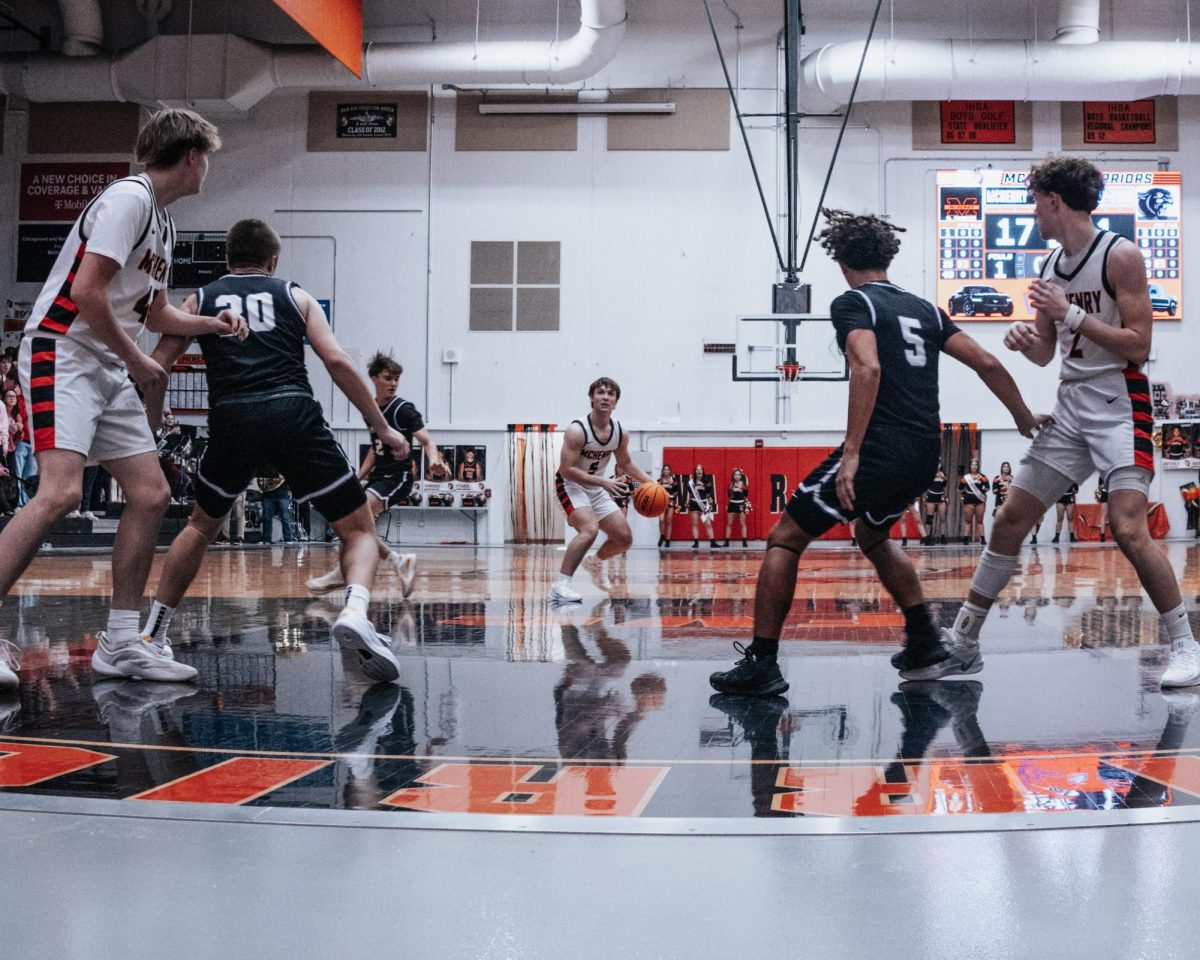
(916, 656)
(758, 716)
(1054, 539)
(752, 676)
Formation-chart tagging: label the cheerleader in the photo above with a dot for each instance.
(1066, 508)
(670, 483)
(935, 503)
(1000, 485)
(973, 486)
(737, 504)
(701, 506)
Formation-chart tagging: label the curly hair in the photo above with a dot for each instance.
(1075, 180)
(858, 240)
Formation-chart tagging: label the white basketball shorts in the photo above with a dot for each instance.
(77, 402)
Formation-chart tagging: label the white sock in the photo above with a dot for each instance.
(1179, 629)
(969, 621)
(158, 620)
(358, 598)
(122, 627)
(564, 580)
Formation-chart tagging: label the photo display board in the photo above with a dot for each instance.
(989, 247)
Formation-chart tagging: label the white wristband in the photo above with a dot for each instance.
(1075, 317)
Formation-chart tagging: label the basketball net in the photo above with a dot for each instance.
(789, 371)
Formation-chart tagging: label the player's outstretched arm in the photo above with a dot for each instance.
(164, 318)
(433, 456)
(342, 371)
(992, 372)
(166, 352)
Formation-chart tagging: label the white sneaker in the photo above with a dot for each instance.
(327, 581)
(355, 632)
(88, 515)
(143, 659)
(1183, 669)
(10, 663)
(405, 567)
(74, 515)
(964, 658)
(564, 594)
(1181, 704)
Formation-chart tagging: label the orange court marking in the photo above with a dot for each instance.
(234, 781)
(26, 764)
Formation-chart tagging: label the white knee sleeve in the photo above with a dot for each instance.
(1042, 481)
(992, 574)
(1130, 478)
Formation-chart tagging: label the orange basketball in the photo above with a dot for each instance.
(651, 499)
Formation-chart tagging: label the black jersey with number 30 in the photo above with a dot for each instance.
(270, 361)
(910, 333)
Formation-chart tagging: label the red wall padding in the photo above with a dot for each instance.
(774, 472)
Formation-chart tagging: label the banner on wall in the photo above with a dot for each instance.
(1106, 122)
(58, 192)
(978, 121)
(52, 195)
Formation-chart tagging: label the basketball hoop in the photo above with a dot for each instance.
(790, 371)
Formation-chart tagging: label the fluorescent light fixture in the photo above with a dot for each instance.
(577, 107)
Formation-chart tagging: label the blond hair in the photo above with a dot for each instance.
(169, 134)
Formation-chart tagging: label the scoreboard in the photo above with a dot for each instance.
(989, 248)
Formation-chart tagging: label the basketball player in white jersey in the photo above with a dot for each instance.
(1092, 302)
(586, 493)
(79, 364)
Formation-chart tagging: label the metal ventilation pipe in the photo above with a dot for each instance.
(1078, 21)
(83, 28)
(229, 72)
(987, 69)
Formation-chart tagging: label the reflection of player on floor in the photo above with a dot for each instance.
(262, 407)
(79, 364)
(892, 340)
(1092, 302)
(389, 478)
(586, 494)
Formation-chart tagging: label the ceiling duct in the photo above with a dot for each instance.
(900, 70)
(1078, 21)
(83, 28)
(227, 72)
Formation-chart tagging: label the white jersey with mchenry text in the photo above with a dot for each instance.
(122, 223)
(1084, 278)
(597, 453)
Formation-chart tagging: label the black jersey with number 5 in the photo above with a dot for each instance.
(269, 363)
(909, 335)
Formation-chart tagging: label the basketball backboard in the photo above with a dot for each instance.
(765, 341)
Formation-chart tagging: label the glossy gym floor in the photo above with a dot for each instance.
(594, 724)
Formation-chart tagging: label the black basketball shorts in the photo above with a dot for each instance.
(893, 470)
(389, 487)
(287, 433)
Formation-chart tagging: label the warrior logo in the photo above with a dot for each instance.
(1156, 203)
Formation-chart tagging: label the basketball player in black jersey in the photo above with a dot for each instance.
(261, 408)
(389, 478)
(892, 340)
